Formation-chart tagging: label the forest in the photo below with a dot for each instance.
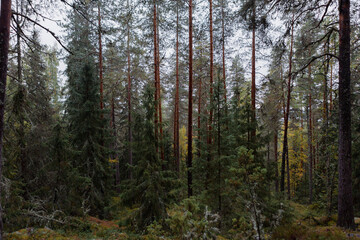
(180, 119)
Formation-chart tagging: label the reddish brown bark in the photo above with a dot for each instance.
(190, 109)
(276, 161)
(176, 120)
(100, 60)
(162, 153)
(331, 85)
(345, 198)
(223, 48)
(156, 77)
(209, 140)
(129, 94)
(5, 17)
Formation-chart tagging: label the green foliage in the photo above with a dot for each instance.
(191, 221)
(150, 184)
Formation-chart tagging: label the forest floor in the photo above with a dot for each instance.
(308, 224)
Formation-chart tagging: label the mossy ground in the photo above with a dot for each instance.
(308, 224)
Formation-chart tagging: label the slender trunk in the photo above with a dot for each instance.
(276, 161)
(199, 116)
(211, 80)
(5, 17)
(310, 140)
(209, 136)
(162, 154)
(156, 79)
(345, 197)
(283, 163)
(253, 78)
(223, 48)
(302, 137)
(100, 61)
(331, 85)
(189, 160)
(218, 146)
(286, 120)
(325, 142)
(176, 122)
(129, 92)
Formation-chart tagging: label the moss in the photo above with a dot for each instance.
(33, 234)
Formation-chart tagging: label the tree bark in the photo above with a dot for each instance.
(286, 120)
(189, 159)
(156, 79)
(100, 60)
(345, 198)
(176, 121)
(162, 153)
(223, 48)
(5, 16)
(310, 139)
(129, 92)
(209, 140)
(253, 77)
(199, 116)
(276, 161)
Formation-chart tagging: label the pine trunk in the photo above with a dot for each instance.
(276, 161)
(345, 198)
(190, 109)
(156, 79)
(310, 140)
(176, 120)
(129, 94)
(211, 80)
(223, 48)
(253, 78)
(5, 17)
(162, 154)
(100, 61)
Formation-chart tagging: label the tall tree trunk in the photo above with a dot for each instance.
(156, 79)
(276, 161)
(331, 85)
(211, 79)
(219, 145)
(286, 120)
(345, 198)
(162, 154)
(253, 77)
(176, 121)
(5, 17)
(209, 134)
(310, 140)
(189, 159)
(129, 91)
(223, 47)
(100, 60)
(199, 116)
